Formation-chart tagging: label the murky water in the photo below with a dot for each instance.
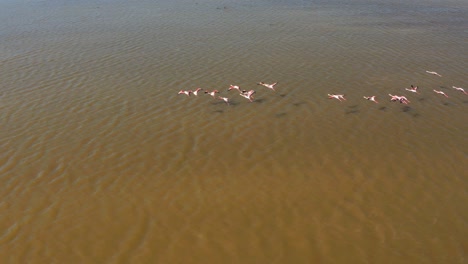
(103, 162)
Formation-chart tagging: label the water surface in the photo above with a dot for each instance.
(103, 162)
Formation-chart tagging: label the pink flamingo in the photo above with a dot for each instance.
(440, 92)
(212, 93)
(434, 73)
(459, 89)
(339, 97)
(231, 87)
(196, 91)
(185, 92)
(413, 89)
(371, 98)
(248, 94)
(269, 86)
(225, 99)
(401, 99)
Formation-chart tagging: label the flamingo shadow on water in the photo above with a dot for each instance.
(283, 114)
(299, 103)
(231, 103)
(406, 109)
(354, 111)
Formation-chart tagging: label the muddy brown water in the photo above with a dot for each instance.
(103, 162)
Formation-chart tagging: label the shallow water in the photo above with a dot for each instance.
(103, 162)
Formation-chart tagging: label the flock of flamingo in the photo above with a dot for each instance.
(249, 95)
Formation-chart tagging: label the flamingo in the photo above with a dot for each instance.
(413, 89)
(196, 91)
(336, 96)
(371, 98)
(434, 73)
(459, 89)
(185, 92)
(234, 87)
(269, 86)
(212, 93)
(401, 99)
(225, 99)
(440, 92)
(248, 94)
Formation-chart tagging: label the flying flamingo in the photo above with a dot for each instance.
(212, 93)
(231, 87)
(248, 94)
(413, 89)
(460, 89)
(440, 92)
(196, 91)
(185, 92)
(401, 99)
(225, 99)
(337, 96)
(269, 86)
(434, 73)
(371, 98)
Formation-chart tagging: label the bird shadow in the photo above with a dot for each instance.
(406, 109)
(421, 99)
(231, 103)
(299, 103)
(352, 112)
(465, 102)
(283, 114)
(383, 108)
(282, 95)
(261, 100)
(410, 111)
(221, 8)
(218, 111)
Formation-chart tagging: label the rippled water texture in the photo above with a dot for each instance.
(103, 162)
